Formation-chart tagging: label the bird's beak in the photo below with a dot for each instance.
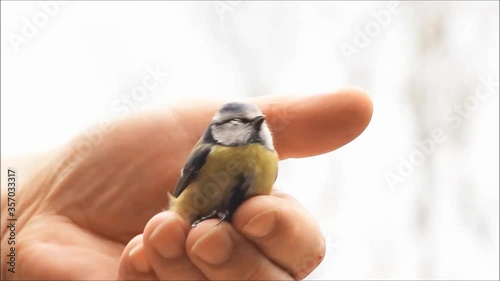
(257, 122)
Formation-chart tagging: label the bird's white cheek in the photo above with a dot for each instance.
(266, 135)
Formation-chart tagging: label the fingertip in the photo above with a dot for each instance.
(213, 244)
(132, 244)
(251, 208)
(165, 247)
(311, 125)
(166, 234)
(276, 224)
(358, 111)
(361, 103)
(138, 259)
(202, 228)
(133, 262)
(166, 217)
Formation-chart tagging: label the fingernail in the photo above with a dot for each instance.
(261, 225)
(168, 243)
(138, 259)
(214, 247)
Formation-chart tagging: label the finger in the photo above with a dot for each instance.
(165, 247)
(276, 224)
(221, 253)
(328, 121)
(133, 263)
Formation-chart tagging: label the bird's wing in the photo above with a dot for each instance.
(196, 160)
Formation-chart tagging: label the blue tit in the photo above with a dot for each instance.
(234, 159)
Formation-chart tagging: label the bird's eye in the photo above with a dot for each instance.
(236, 121)
(239, 121)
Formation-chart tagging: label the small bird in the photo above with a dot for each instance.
(234, 159)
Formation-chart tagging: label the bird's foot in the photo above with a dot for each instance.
(222, 216)
(214, 214)
(211, 215)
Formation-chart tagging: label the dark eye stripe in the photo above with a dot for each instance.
(242, 120)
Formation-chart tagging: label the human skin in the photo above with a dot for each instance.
(102, 215)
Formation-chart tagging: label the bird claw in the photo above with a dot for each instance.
(221, 215)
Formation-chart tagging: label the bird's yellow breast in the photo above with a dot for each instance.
(225, 168)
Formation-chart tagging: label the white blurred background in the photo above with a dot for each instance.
(392, 204)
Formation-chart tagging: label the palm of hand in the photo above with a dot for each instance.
(80, 223)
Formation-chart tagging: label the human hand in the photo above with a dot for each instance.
(101, 218)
